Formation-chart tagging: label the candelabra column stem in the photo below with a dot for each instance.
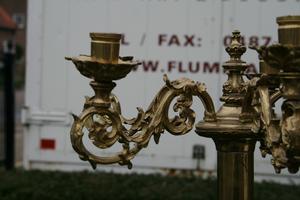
(235, 169)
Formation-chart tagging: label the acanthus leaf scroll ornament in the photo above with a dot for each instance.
(281, 135)
(106, 126)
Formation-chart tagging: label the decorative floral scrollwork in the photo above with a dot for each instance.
(97, 133)
(106, 125)
(281, 136)
(284, 57)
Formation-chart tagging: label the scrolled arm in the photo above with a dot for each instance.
(105, 126)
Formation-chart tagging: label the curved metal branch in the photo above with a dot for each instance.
(105, 125)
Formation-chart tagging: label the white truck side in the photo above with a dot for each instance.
(182, 38)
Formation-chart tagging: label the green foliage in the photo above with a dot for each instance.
(274, 191)
(37, 185)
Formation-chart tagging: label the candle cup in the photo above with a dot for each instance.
(289, 30)
(105, 47)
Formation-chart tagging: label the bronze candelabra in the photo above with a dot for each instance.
(247, 115)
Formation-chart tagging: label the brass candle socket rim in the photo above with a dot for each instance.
(98, 71)
(106, 37)
(288, 20)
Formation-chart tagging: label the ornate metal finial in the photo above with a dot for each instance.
(233, 88)
(236, 49)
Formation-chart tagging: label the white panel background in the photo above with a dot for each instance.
(58, 28)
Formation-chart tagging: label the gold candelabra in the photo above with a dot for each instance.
(246, 116)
